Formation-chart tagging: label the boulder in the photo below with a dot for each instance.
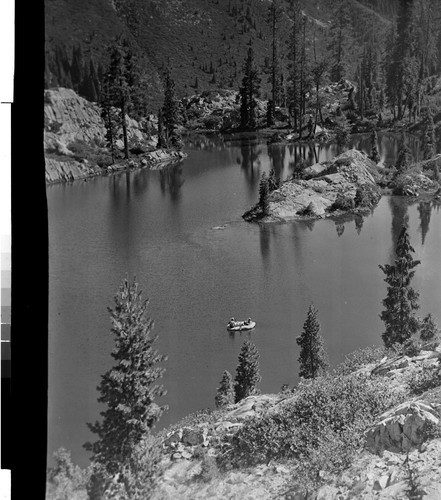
(400, 429)
(315, 170)
(193, 437)
(252, 405)
(173, 438)
(388, 365)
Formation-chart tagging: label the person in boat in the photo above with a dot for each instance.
(232, 322)
(248, 321)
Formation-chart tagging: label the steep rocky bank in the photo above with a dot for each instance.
(347, 183)
(74, 140)
(401, 449)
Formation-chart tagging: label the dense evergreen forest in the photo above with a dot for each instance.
(389, 49)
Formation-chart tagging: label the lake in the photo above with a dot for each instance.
(180, 231)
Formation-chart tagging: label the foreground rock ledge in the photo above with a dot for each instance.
(313, 198)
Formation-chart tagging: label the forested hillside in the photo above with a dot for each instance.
(204, 42)
(387, 49)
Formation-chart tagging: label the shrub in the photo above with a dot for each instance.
(403, 185)
(66, 481)
(103, 160)
(322, 410)
(410, 347)
(81, 150)
(359, 358)
(334, 454)
(144, 470)
(212, 122)
(367, 196)
(428, 378)
(429, 329)
(209, 468)
(342, 202)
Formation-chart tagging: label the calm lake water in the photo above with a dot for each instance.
(180, 232)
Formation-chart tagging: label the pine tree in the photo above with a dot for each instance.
(404, 66)
(109, 116)
(339, 39)
(225, 392)
(275, 14)
(249, 92)
(169, 114)
(122, 81)
(404, 157)
(247, 372)
(428, 135)
(263, 194)
(273, 181)
(296, 66)
(375, 156)
(129, 388)
(313, 357)
(319, 74)
(402, 300)
(270, 113)
(429, 329)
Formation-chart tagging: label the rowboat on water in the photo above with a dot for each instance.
(237, 326)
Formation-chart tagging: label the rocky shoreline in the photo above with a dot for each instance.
(75, 145)
(58, 171)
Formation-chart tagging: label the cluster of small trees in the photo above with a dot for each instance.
(246, 380)
(313, 361)
(395, 78)
(122, 94)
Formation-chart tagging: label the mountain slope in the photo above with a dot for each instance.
(203, 42)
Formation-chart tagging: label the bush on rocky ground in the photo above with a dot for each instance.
(359, 358)
(342, 202)
(367, 196)
(427, 378)
(322, 411)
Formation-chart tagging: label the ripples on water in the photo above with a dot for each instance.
(180, 231)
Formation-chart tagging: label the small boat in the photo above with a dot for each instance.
(240, 326)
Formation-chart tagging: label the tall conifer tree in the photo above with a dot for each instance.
(225, 392)
(129, 389)
(428, 135)
(249, 92)
(263, 194)
(375, 155)
(313, 358)
(401, 301)
(169, 115)
(339, 40)
(247, 372)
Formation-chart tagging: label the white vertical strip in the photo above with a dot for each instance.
(7, 50)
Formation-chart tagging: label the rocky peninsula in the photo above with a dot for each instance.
(75, 140)
(347, 183)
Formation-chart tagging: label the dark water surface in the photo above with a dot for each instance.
(180, 231)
